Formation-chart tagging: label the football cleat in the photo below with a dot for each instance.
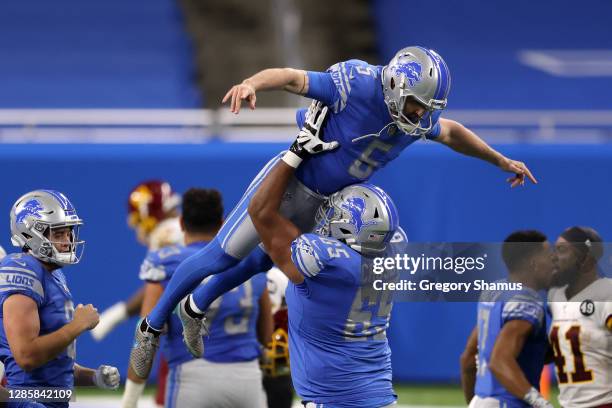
(143, 351)
(193, 330)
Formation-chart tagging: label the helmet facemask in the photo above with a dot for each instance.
(43, 247)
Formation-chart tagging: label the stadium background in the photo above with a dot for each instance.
(97, 96)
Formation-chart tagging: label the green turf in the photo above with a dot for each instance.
(408, 394)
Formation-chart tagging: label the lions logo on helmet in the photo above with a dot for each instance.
(31, 208)
(361, 215)
(411, 70)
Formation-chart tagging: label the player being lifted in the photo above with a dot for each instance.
(337, 323)
(376, 113)
(581, 329)
(39, 324)
(228, 374)
(505, 353)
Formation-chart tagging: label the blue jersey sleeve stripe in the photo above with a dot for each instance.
(23, 287)
(20, 270)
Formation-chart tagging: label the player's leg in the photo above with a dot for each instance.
(300, 206)
(202, 384)
(219, 284)
(235, 240)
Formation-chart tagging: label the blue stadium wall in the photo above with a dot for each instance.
(441, 196)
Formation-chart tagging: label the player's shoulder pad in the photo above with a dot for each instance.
(21, 272)
(310, 254)
(350, 76)
(155, 266)
(524, 305)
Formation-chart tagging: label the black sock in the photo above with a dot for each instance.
(190, 312)
(144, 327)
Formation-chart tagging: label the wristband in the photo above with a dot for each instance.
(292, 159)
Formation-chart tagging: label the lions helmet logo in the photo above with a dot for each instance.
(355, 207)
(411, 70)
(31, 208)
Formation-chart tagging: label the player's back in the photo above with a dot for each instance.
(232, 317)
(581, 338)
(357, 109)
(23, 274)
(495, 309)
(337, 328)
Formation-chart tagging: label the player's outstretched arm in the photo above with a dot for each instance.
(288, 79)
(468, 366)
(505, 368)
(461, 139)
(105, 377)
(22, 327)
(276, 232)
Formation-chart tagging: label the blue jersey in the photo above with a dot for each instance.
(232, 317)
(338, 347)
(495, 309)
(25, 275)
(353, 91)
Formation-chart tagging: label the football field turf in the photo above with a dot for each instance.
(409, 396)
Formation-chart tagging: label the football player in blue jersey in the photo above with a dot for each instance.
(39, 323)
(240, 322)
(338, 349)
(506, 351)
(376, 112)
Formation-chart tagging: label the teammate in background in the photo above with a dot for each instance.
(376, 113)
(338, 347)
(39, 324)
(581, 329)
(228, 375)
(505, 353)
(153, 215)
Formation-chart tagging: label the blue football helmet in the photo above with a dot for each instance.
(421, 74)
(34, 215)
(362, 216)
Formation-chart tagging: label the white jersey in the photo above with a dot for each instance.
(167, 232)
(581, 338)
(277, 284)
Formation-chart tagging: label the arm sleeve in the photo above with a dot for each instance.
(308, 255)
(435, 129)
(322, 88)
(24, 281)
(523, 309)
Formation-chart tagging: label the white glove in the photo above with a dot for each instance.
(308, 141)
(109, 319)
(535, 399)
(107, 377)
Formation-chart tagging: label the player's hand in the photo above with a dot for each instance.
(520, 171)
(107, 377)
(308, 141)
(238, 93)
(86, 317)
